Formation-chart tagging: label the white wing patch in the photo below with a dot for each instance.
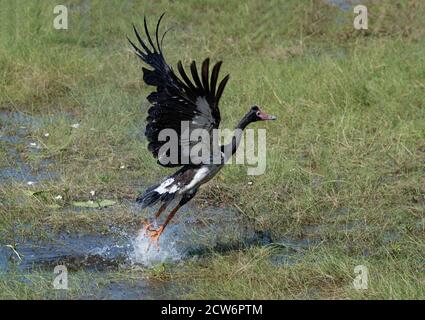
(173, 189)
(165, 187)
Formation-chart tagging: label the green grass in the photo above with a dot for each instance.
(346, 157)
(38, 285)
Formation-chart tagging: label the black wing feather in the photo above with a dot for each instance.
(185, 77)
(195, 75)
(148, 35)
(176, 100)
(222, 86)
(214, 76)
(205, 70)
(157, 32)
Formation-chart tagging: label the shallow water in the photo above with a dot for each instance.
(77, 252)
(195, 233)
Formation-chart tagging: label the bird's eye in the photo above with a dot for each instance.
(258, 113)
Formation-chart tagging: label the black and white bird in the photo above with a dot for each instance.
(176, 100)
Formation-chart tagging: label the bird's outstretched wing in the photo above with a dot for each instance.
(177, 99)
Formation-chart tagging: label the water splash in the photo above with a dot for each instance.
(196, 232)
(150, 255)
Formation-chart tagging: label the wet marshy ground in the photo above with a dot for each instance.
(14, 130)
(194, 233)
(189, 238)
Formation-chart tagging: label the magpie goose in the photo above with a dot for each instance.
(179, 99)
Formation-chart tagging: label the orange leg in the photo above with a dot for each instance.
(163, 207)
(155, 234)
(148, 225)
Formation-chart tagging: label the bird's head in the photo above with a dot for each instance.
(255, 114)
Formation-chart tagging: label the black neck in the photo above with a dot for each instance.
(245, 121)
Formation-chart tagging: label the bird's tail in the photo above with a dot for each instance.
(149, 198)
(157, 193)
